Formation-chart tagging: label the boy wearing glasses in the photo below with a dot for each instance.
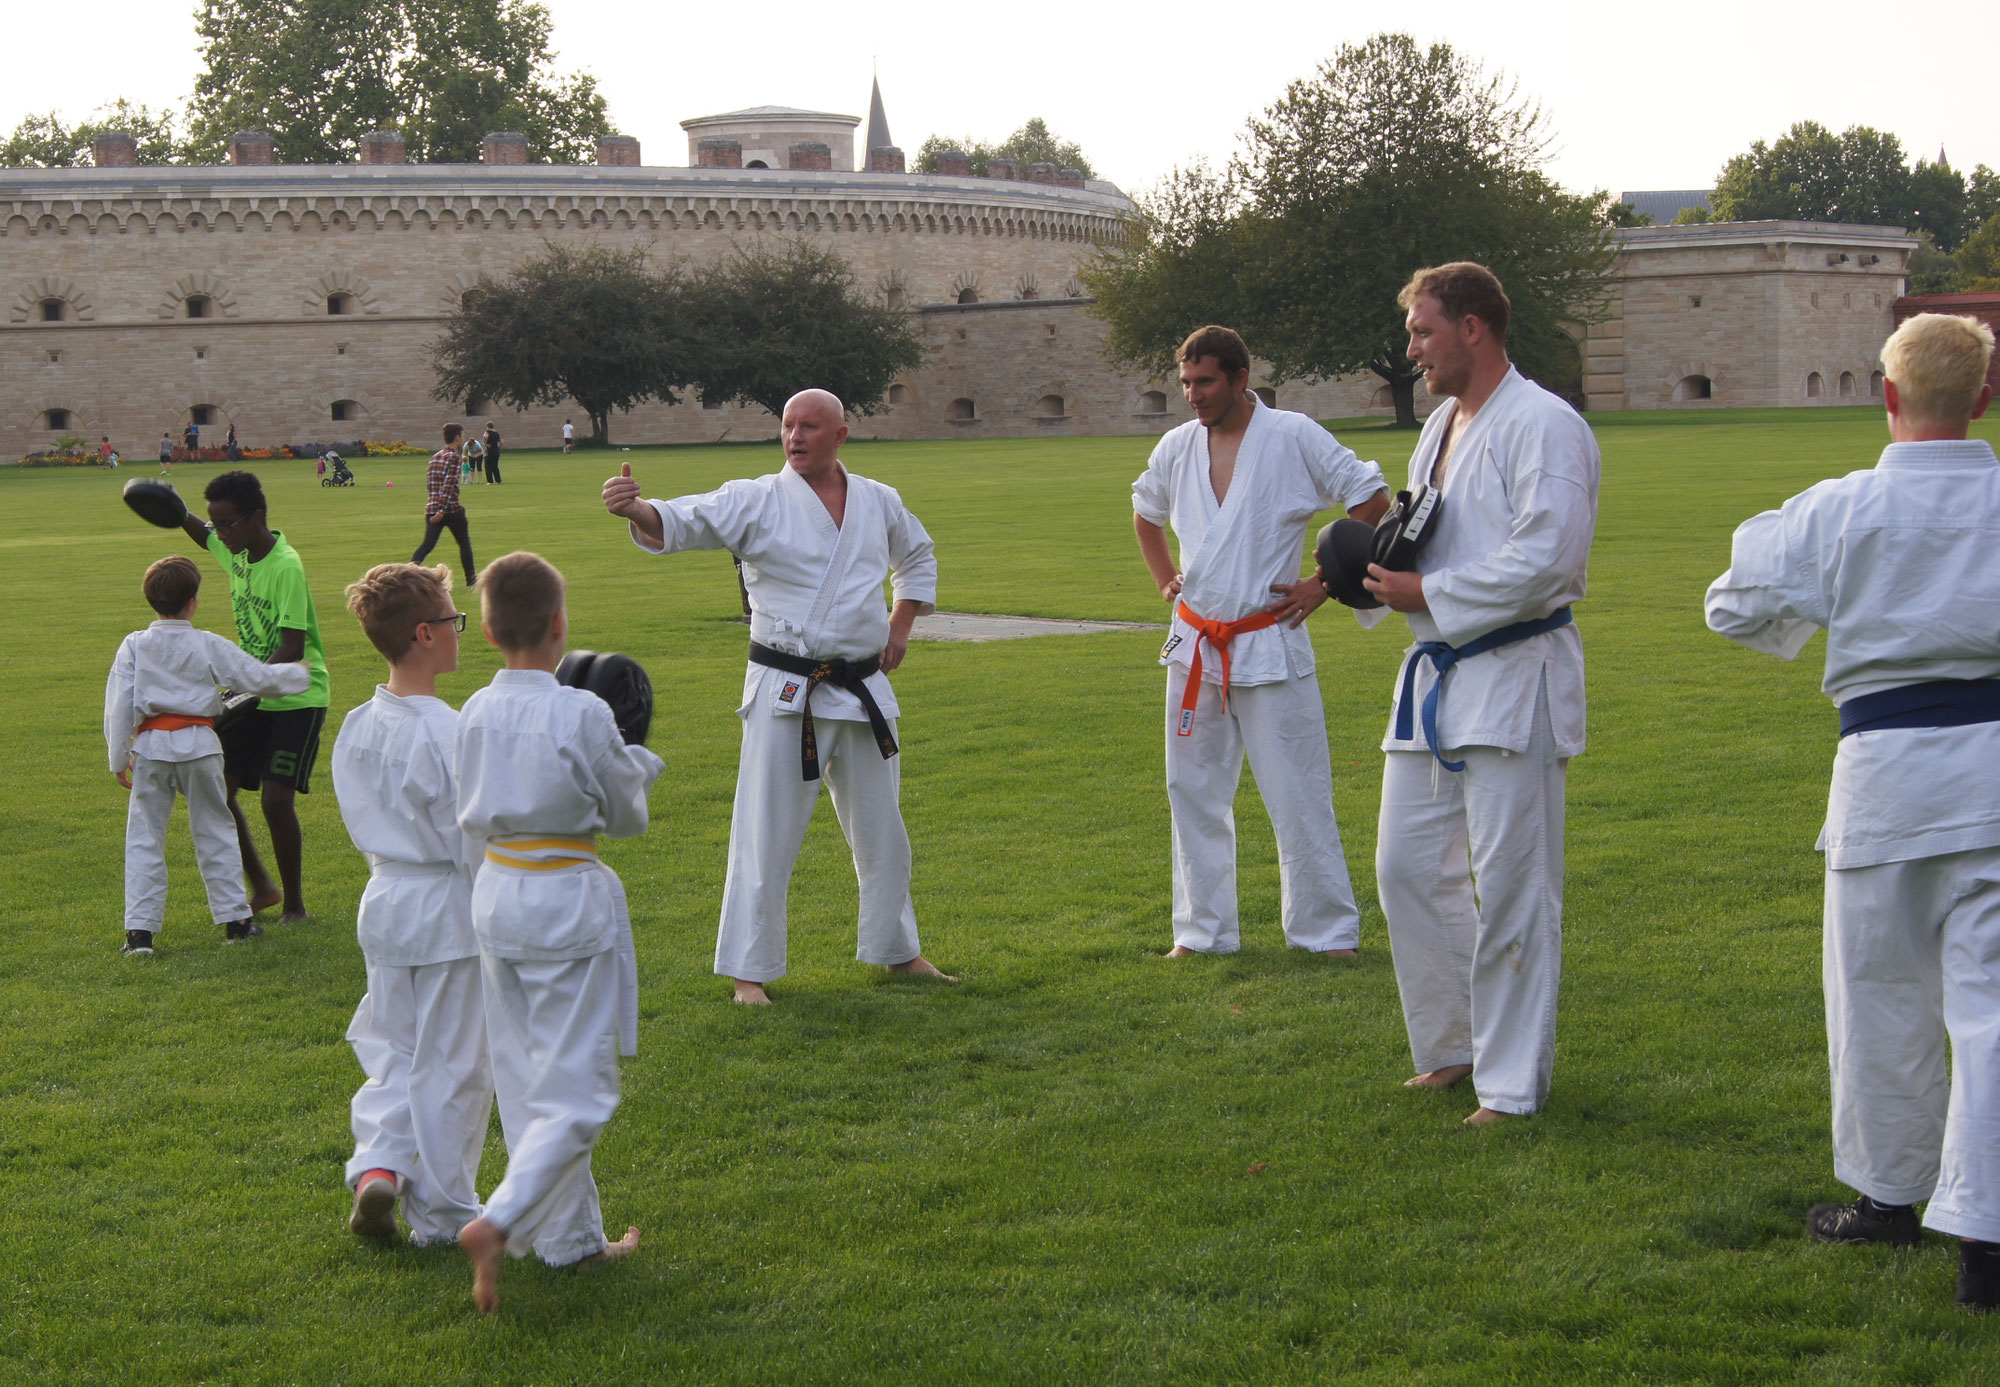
(271, 749)
(420, 1032)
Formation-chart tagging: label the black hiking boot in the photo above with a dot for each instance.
(1865, 1221)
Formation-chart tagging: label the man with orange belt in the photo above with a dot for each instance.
(1240, 484)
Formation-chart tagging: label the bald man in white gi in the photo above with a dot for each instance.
(1489, 704)
(815, 543)
(1896, 562)
(1240, 483)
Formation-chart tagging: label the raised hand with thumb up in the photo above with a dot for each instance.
(622, 499)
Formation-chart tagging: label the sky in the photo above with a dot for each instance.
(1638, 96)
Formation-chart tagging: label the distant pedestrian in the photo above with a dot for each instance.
(475, 459)
(191, 439)
(569, 437)
(104, 453)
(492, 453)
(235, 452)
(166, 452)
(442, 509)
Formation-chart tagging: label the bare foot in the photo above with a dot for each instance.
(1484, 1116)
(1180, 951)
(750, 994)
(1340, 953)
(624, 1247)
(294, 917)
(923, 967)
(263, 898)
(1441, 1078)
(486, 1245)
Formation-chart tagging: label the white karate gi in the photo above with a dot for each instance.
(1897, 563)
(542, 772)
(1288, 469)
(1479, 973)
(815, 590)
(175, 667)
(419, 1033)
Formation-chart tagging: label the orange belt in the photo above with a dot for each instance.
(171, 722)
(1218, 634)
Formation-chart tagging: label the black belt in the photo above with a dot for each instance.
(844, 674)
(1934, 703)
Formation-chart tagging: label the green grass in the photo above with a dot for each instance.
(1081, 1165)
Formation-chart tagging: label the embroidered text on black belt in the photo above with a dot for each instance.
(844, 674)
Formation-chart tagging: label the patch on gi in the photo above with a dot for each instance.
(792, 687)
(1187, 721)
(1172, 641)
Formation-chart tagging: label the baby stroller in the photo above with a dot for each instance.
(333, 470)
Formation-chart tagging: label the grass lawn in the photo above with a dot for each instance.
(1083, 1164)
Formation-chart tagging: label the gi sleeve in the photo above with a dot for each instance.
(1769, 599)
(441, 783)
(1548, 543)
(730, 518)
(912, 557)
(1340, 477)
(624, 773)
(233, 669)
(1152, 493)
(120, 716)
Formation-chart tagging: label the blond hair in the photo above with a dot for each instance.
(171, 583)
(391, 598)
(1937, 363)
(519, 596)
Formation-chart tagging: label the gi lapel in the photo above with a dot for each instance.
(1225, 517)
(858, 514)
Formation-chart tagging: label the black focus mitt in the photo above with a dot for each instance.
(156, 502)
(620, 681)
(1345, 548)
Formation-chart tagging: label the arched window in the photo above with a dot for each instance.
(1694, 388)
(1846, 385)
(1049, 407)
(959, 410)
(968, 295)
(1383, 398)
(1875, 386)
(712, 401)
(756, 164)
(1815, 386)
(899, 394)
(201, 416)
(199, 306)
(1153, 402)
(54, 310)
(894, 298)
(339, 305)
(1267, 395)
(345, 409)
(58, 419)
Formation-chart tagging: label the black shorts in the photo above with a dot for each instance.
(280, 746)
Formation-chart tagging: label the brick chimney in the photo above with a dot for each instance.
(1070, 178)
(885, 158)
(811, 156)
(719, 154)
(1041, 173)
(618, 151)
(1008, 169)
(504, 147)
(114, 149)
(384, 147)
(253, 147)
(953, 163)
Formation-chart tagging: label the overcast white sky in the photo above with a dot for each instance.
(1645, 96)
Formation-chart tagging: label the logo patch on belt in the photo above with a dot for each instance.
(791, 692)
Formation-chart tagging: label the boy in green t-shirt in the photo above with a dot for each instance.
(272, 748)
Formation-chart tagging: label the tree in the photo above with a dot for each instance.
(1033, 143)
(1978, 260)
(44, 142)
(1931, 271)
(319, 74)
(1857, 177)
(1390, 158)
(598, 326)
(773, 322)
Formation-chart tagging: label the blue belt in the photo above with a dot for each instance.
(1443, 657)
(1935, 703)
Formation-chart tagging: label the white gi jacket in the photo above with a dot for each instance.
(175, 667)
(815, 588)
(1897, 562)
(392, 773)
(1512, 544)
(1288, 469)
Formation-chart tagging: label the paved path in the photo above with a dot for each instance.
(966, 626)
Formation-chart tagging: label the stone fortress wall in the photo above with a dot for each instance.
(298, 303)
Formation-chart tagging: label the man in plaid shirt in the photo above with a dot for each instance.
(442, 510)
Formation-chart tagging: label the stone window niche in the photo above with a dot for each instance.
(960, 411)
(55, 359)
(1049, 407)
(1267, 395)
(1153, 402)
(709, 401)
(968, 296)
(1694, 388)
(201, 416)
(1815, 386)
(344, 410)
(1875, 385)
(340, 305)
(894, 298)
(756, 164)
(54, 310)
(1694, 300)
(198, 306)
(60, 420)
(899, 394)
(1847, 385)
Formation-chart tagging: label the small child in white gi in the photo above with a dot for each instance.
(420, 1031)
(160, 705)
(542, 772)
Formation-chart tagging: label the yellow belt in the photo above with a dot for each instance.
(562, 853)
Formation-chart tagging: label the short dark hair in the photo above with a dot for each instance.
(1222, 345)
(1463, 290)
(171, 583)
(241, 489)
(519, 596)
(452, 431)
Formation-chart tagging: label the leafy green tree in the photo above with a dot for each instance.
(319, 74)
(1858, 177)
(1390, 158)
(1692, 216)
(1938, 204)
(45, 142)
(597, 326)
(773, 322)
(1033, 143)
(1982, 196)
(1978, 260)
(1931, 271)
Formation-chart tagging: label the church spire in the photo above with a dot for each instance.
(878, 122)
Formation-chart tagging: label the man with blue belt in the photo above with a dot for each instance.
(1472, 790)
(1897, 563)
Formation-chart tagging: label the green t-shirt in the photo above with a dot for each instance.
(270, 597)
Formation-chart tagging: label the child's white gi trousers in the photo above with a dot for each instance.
(154, 784)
